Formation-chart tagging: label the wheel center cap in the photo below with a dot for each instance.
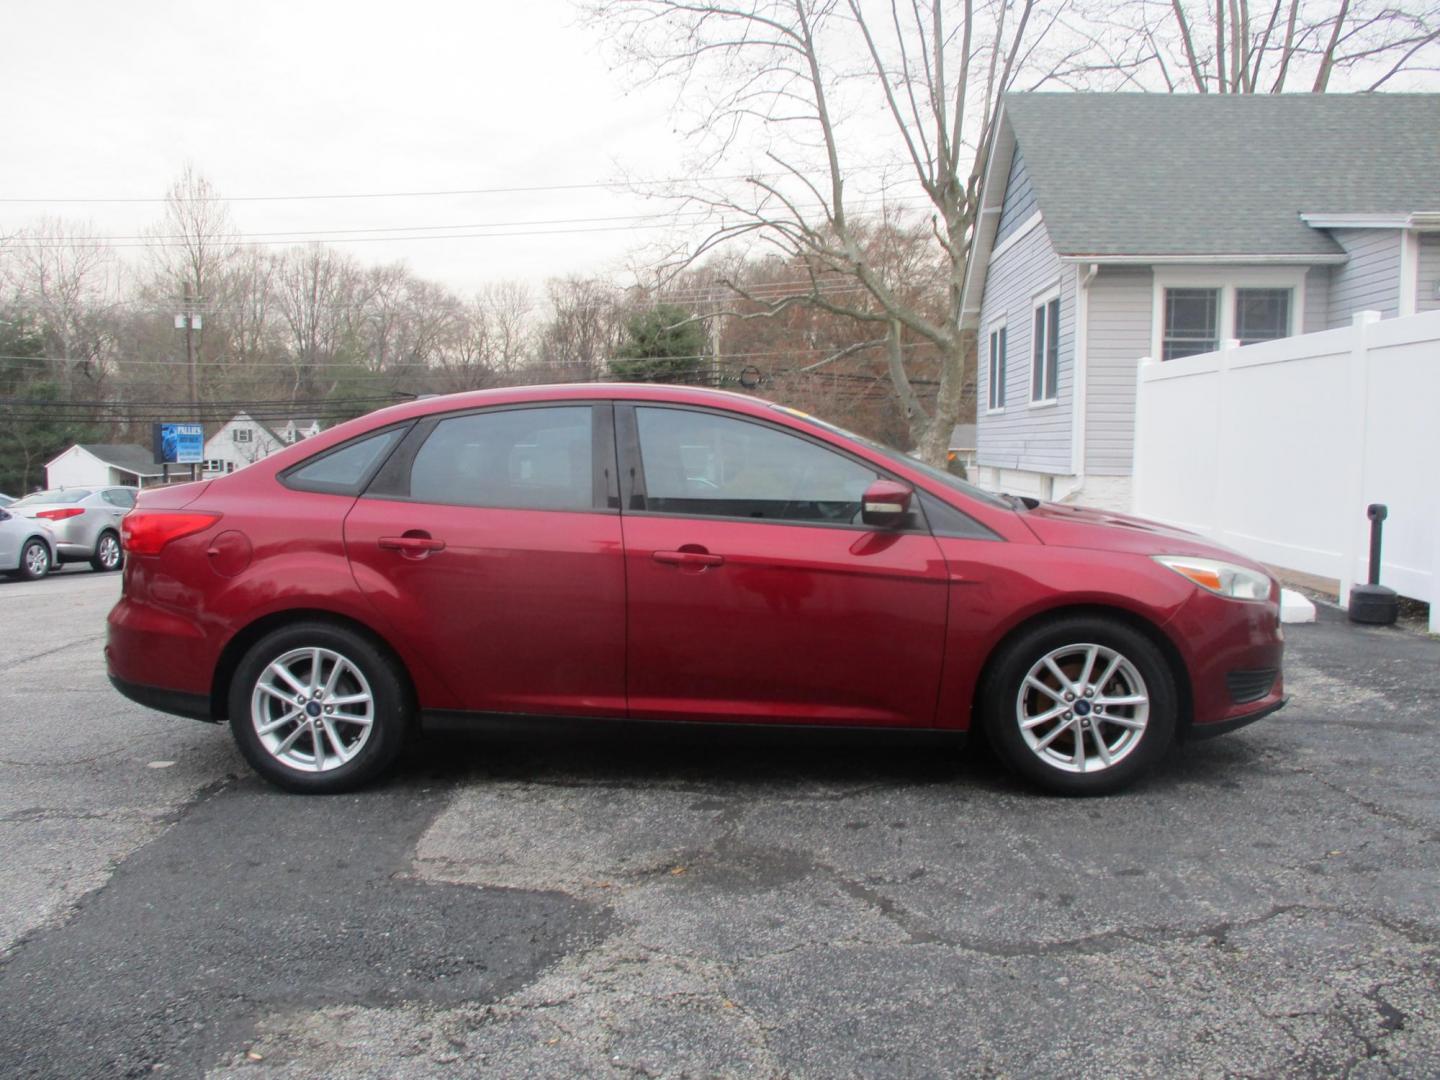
(312, 709)
(1082, 708)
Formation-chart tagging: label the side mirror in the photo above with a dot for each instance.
(4, 515)
(886, 505)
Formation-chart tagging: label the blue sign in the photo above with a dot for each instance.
(179, 444)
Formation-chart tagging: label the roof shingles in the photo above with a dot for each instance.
(1193, 174)
(127, 456)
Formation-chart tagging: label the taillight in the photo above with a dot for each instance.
(145, 532)
(61, 515)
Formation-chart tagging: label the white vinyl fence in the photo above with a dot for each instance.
(1276, 449)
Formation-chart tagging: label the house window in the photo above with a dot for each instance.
(997, 368)
(1192, 322)
(1045, 352)
(214, 465)
(1261, 315)
(242, 435)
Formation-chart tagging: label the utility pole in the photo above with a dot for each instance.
(190, 320)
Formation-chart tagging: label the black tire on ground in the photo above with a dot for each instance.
(36, 561)
(391, 715)
(1000, 704)
(108, 553)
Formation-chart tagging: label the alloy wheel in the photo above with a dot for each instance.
(1082, 708)
(109, 552)
(37, 560)
(312, 709)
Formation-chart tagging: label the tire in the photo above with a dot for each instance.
(36, 561)
(1109, 733)
(108, 553)
(352, 753)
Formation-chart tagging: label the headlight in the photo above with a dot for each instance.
(1225, 579)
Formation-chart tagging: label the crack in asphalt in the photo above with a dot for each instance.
(15, 662)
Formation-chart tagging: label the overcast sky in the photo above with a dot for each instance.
(106, 99)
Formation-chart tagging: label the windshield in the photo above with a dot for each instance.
(940, 476)
(71, 495)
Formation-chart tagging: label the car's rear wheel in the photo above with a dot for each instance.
(108, 554)
(35, 561)
(319, 708)
(1080, 705)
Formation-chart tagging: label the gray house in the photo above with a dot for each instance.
(1121, 226)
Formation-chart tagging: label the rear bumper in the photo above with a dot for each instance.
(159, 651)
(177, 702)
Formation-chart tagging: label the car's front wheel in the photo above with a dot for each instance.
(35, 561)
(319, 708)
(108, 555)
(1080, 705)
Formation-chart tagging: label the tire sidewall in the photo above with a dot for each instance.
(387, 685)
(1002, 687)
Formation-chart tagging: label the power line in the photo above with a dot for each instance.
(239, 367)
(445, 193)
(300, 235)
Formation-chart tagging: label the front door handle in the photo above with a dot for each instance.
(411, 545)
(689, 560)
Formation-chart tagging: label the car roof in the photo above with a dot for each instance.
(589, 391)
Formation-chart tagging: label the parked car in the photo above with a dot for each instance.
(27, 548)
(6, 500)
(84, 520)
(672, 555)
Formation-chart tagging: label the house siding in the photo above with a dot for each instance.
(1317, 300)
(1019, 203)
(1118, 334)
(1427, 284)
(1025, 437)
(1370, 281)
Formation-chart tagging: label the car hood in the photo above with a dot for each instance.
(1083, 527)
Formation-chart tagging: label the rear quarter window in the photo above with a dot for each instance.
(346, 469)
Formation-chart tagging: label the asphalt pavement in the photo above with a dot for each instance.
(1267, 904)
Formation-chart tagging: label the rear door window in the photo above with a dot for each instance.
(527, 459)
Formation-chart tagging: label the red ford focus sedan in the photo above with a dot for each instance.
(651, 553)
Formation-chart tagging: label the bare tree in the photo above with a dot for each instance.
(1230, 47)
(193, 244)
(507, 310)
(809, 77)
(316, 295)
(69, 281)
(580, 336)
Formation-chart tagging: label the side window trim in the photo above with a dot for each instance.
(632, 466)
(633, 470)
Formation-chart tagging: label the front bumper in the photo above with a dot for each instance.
(1222, 727)
(1227, 644)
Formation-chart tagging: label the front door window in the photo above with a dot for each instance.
(700, 464)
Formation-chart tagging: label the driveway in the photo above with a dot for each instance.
(1269, 903)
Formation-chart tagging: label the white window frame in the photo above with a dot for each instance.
(990, 384)
(242, 435)
(1227, 280)
(1038, 302)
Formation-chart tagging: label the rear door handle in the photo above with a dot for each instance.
(413, 546)
(693, 560)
